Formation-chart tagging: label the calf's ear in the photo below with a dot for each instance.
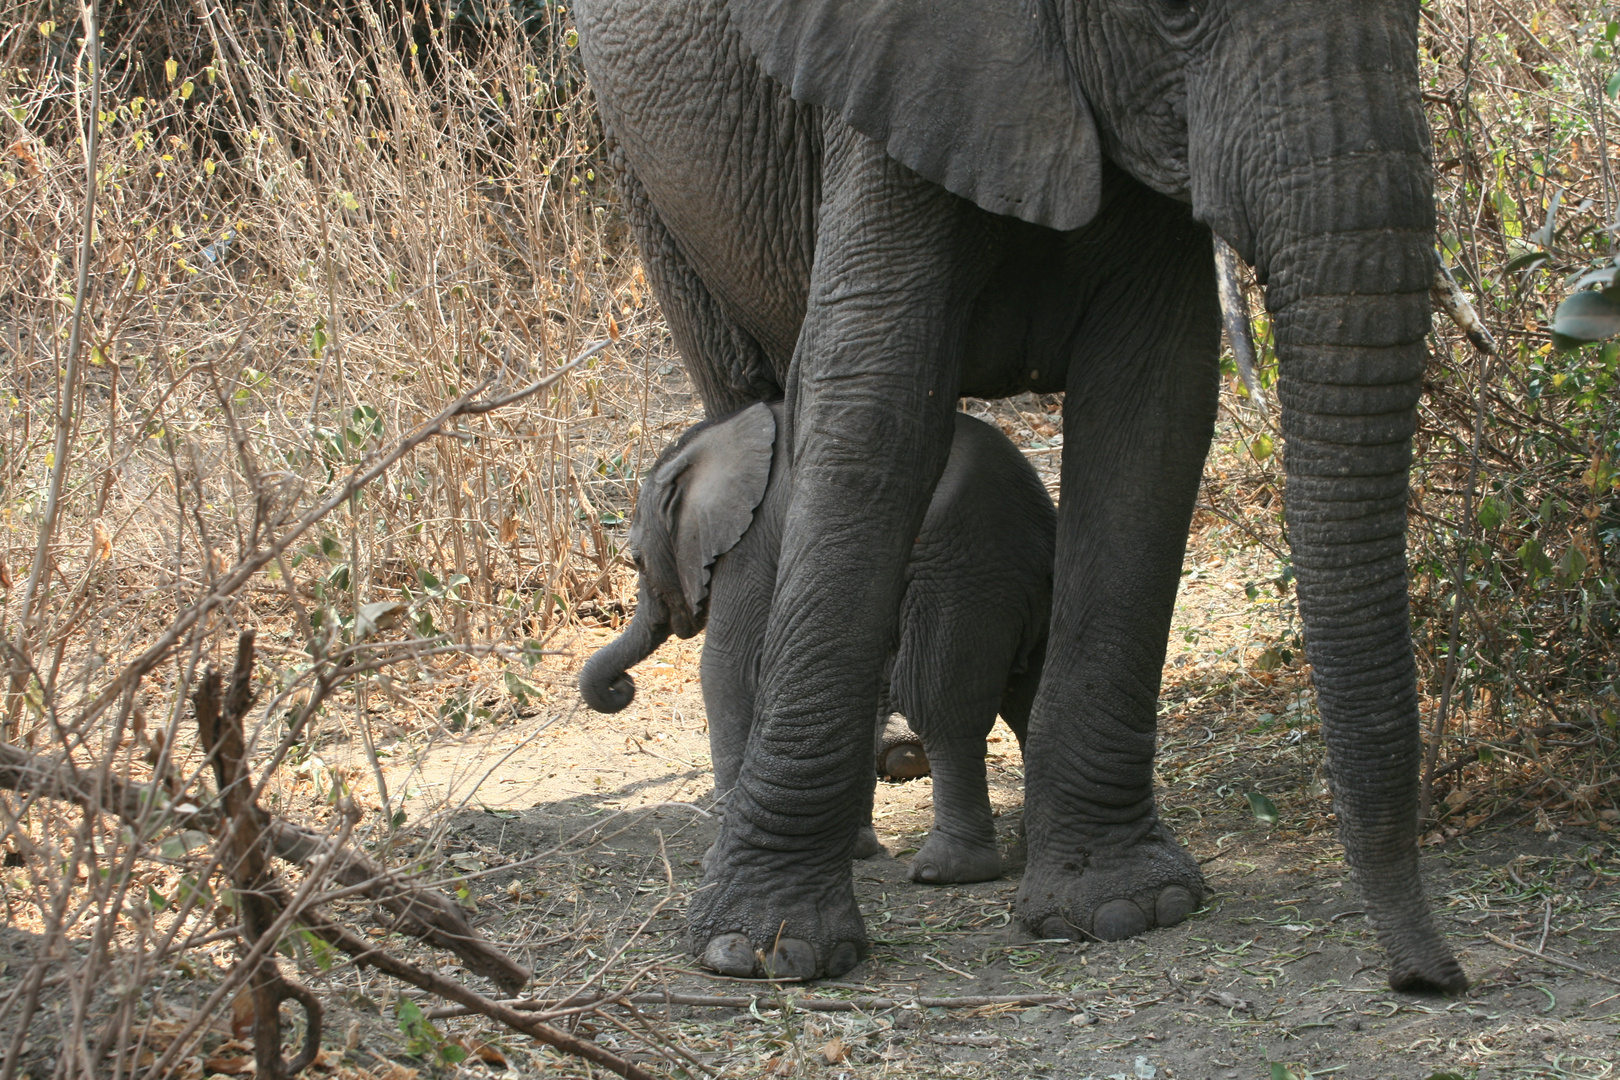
(714, 484)
(978, 96)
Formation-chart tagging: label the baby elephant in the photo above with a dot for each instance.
(706, 538)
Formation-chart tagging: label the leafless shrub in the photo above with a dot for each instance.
(308, 379)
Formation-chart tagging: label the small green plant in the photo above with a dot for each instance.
(422, 1039)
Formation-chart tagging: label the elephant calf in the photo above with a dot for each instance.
(706, 537)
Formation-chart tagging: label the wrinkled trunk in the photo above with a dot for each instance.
(1339, 223)
(604, 681)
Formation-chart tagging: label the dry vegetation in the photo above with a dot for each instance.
(303, 376)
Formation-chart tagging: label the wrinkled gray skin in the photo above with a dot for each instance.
(707, 535)
(877, 205)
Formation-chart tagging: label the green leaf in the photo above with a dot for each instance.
(1524, 261)
(1264, 809)
(1584, 318)
(188, 890)
(1452, 1075)
(1613, 88)
(429, 582)
(1492, 512)
(533, 652)
(325, 956)
(175, 847)
(377, 617)
(1261, 446)
(1603, 278)
(1534, 560)
(1571, 566)
(408, 1014)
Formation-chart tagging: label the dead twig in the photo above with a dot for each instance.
(245, 568)
(868, 1003)
(419, 911)
(1552, 958)
(219, 722)
(365, 953)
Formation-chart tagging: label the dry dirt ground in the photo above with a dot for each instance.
(1279, 975)
(577, 839)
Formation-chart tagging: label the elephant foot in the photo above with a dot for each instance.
(867, 844)
(900, 753)
(906, 761)
(949, 860)
(757, 917)
(1108, 894)
(1420, 962)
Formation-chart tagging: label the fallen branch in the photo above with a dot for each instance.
(267, 908)
(560, 1006)
(1554, 959)
(422, 912)
(364, 952)
(219, 724)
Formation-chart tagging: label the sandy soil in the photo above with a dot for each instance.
(1280, 967)
(576, 838)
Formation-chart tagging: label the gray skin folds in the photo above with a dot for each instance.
(707, 536)
(872, 207)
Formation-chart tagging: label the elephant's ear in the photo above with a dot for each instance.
(975, 95)
(715, 482)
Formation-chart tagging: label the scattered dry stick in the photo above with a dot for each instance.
(219, 722)
(364, 952)
(808, 1004)
(421, 912)
(1551, 959)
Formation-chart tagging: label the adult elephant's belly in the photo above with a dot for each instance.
(729, 160)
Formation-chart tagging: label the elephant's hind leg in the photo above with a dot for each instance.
(961, 847)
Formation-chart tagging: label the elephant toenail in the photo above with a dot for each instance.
(791, 959)
(1057, 928)
(730, 954)
(1117, 920)
(905, 762)
(927, 874)
(844, 956)
(1176, 902)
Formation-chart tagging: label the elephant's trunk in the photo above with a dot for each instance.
(1340, 224)
(604, 681)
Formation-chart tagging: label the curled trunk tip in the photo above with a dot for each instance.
(606, 696)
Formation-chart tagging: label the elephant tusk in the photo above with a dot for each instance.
(1235, 315)
(1449, 295)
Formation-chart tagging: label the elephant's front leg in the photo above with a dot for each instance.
(1138, 417)
(870, 400)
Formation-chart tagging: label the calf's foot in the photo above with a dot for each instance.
(948, 860)
(867, 844)
(1110, 891)
(900, 753)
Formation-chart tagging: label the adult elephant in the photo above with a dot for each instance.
(879, 205)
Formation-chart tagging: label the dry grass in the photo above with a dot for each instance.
(318, 227)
